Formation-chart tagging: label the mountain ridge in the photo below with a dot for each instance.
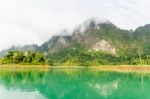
(95, 35)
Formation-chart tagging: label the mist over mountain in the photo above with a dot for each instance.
(95, 35)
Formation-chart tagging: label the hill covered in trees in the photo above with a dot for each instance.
(95, 42)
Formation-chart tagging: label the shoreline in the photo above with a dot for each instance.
(116, 68)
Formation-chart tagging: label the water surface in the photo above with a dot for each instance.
(73, 84)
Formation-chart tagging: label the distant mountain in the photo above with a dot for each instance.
(20, 48)
(96, 35)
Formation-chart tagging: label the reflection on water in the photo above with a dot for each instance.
(18, 94)
(105, 89)
(73, 84)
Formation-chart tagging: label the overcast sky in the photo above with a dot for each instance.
(35, 21)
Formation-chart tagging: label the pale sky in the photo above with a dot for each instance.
(35, 21)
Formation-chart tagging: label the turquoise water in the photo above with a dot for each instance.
(74, 84)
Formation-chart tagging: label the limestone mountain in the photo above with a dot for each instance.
(96, 35)
(93, 34)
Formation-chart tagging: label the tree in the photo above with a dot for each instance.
(18, 57)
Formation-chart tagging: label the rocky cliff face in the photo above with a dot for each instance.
(103, 45)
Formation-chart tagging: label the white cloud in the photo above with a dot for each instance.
(35, 21)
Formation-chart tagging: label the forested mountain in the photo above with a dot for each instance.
(94, 35)
(100, 36)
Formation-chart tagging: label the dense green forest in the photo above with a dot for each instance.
(75, 57)
(19, 57)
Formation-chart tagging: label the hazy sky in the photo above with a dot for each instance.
(35, 21)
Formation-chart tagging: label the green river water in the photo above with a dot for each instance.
(73, 84)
